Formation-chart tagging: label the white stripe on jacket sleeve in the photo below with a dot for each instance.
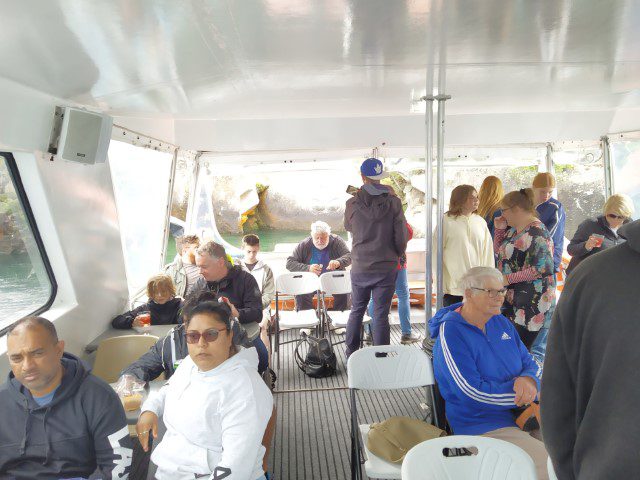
(503, 399)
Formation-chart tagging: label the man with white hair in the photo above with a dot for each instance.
(320, 252)
(482, 368)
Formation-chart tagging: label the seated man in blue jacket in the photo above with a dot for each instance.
(57, 420)
(482, 368)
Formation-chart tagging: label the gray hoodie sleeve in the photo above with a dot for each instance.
(108, 424)
(576, 247)
(150, 365)
(268, 287)
(296, 261)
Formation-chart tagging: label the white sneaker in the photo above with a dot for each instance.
(340, 331)
(306, 331)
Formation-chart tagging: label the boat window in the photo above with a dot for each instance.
(625, 156)
(141, 185)
(182, 185)
(27, 285)
(579, 176)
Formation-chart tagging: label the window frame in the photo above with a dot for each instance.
(16, 180)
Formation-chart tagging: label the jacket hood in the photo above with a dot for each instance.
(443, 315)
(632, 233)
(373, 207)
(74, 374)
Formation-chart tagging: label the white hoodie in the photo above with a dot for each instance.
(213, 419)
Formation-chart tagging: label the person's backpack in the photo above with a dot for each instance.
(320, 360)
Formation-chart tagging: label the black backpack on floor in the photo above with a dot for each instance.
(320, 360)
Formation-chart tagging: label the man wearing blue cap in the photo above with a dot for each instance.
(376, 221)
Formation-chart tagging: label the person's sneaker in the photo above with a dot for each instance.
(410, 338)
(367, 339)
(340, 331)
(306, 331)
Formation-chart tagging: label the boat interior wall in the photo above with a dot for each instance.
(75, 210)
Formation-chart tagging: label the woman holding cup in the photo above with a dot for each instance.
(595, 235)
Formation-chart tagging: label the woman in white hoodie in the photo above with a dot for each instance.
(215, 406)
(467, 242)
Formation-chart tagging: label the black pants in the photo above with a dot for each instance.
(526, 336)
(448, 300)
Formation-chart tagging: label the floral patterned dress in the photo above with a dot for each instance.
(526, 258)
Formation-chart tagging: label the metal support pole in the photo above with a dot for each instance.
(549, 158)
(609, 186)
(193, 195)
(440, 174)
(428, 210)
(167, 221)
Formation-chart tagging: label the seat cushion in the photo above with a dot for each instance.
(376, 467)
(301, 319)
(340, 319)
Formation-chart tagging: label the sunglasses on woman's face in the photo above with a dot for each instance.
(615, 217)
(209, 336)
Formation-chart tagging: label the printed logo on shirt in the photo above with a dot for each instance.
(505, 336)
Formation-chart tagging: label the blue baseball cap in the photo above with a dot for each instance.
(372, 168)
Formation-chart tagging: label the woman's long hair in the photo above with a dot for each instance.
(490, 196)
(459, 197)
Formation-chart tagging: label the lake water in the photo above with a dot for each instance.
(20, 289)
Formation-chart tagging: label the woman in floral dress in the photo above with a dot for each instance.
(525, 258)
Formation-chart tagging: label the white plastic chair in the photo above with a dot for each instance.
(289, 285)
(384, 367)
(495, 460)
(550, 470)
(337, 283)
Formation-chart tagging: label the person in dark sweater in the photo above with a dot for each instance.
(58, 420)
(236, 288)
(379, 228)
(590, 387)
(163, 305)
(596, 235)
(320, 252)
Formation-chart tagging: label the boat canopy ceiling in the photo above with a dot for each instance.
(209, 63)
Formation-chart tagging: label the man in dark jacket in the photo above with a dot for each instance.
(236, 288)
(320, 252)
(590, 387)
(58, 420)
(376, 220)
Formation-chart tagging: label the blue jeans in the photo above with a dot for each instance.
(539, 346)
(404, 306)
(263, 354)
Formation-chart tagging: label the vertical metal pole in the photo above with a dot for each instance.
(440, 173)
(609, 186)
(428, 209)
(193, 195)
(549, 158)
(167, 222)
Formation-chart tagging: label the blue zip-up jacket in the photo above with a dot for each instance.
(476, 371)
(552, 214)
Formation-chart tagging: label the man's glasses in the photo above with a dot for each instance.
(491, 292)
(615, 217)
(209, 336)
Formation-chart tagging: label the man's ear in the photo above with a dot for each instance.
(60, 348)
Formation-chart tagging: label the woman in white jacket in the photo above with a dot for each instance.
(215, 406)
(467, 242)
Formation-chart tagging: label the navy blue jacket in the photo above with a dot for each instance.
(552, 214)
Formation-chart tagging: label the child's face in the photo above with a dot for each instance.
(250, 253)
(162, 297)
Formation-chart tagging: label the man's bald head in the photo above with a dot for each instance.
(34, 322)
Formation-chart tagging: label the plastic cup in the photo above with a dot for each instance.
(598, 238)
(145, 319)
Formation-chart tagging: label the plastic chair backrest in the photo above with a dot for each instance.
(297, 283)
(114, 354)
(550, 470)
(495, 460)
(389, 367)
(336, 283)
